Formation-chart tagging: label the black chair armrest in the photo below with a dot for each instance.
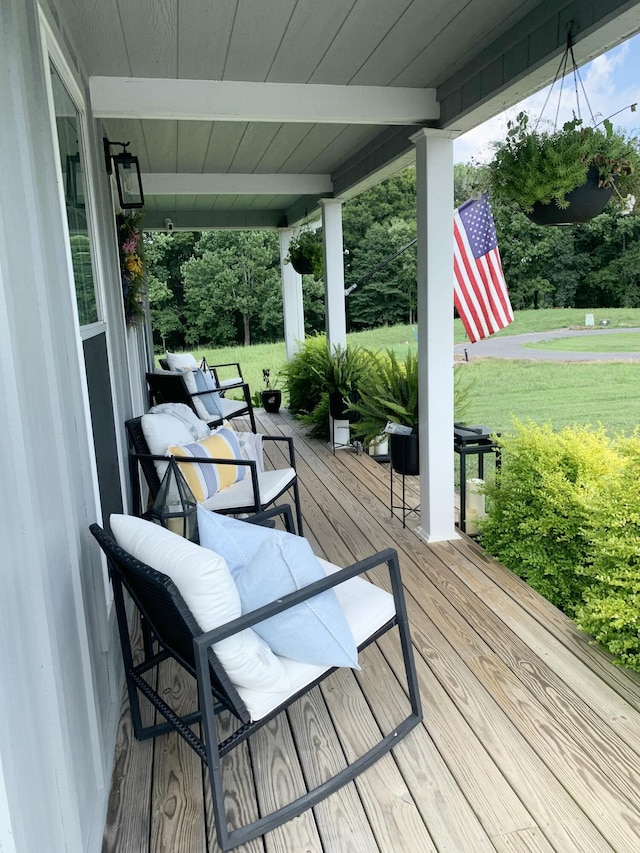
(265, 518)
(388, 556)
(289, 441)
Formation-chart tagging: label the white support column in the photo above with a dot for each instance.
(434, 184)
(336, 316)
(334, 299)
(291, 298)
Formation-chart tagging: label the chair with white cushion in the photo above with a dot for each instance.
(221, 478)
(206, 401)
(190, 599)
(226, 375)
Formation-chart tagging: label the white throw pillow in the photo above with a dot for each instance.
(161, 430)
(181, 360)
(196, 426)
(205, 583)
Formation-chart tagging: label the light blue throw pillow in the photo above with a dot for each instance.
(268, 564)
(211, 402)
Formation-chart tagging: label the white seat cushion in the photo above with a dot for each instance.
(240, 494)
(366, 607)
(226, 383)
(230, 407)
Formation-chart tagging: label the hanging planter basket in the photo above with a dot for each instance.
(543, 170)
(306, 253)
(302, 265)
(585, 203)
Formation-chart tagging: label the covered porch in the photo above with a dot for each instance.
(248, 114)
(530, 738)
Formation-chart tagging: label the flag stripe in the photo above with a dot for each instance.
(480, 292)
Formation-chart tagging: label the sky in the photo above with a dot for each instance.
(611, 83)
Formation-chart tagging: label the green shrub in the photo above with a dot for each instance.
(540, 508)
(565, 516)
(611, 608)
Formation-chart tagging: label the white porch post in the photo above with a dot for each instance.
(434, 184)
(336, 318)
(291, 298)
(334, 300)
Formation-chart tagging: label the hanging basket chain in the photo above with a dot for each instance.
(561, 73)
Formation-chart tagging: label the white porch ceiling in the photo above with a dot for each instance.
(220, 99)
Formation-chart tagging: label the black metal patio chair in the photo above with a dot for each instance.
(172, 388)
(171, 631)
(254, 494)
(224, 384)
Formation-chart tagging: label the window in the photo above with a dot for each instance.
(68, 131)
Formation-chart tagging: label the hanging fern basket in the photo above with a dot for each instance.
(584, 202)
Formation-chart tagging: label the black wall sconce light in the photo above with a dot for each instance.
(127, 170)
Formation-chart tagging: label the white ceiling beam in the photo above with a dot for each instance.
(213, 100)
(158, 183)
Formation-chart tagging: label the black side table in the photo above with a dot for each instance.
(473, 441)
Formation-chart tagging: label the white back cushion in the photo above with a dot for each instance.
(181, 360)
(205, 583)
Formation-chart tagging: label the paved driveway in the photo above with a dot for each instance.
(513, 347)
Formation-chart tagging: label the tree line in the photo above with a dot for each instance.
(219, 288)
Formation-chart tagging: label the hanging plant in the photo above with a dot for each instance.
(567, 174)
(306, 253)
(534, 168)
(132, 270)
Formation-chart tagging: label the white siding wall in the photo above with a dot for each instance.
(58, 712)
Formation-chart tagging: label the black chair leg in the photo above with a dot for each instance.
(296, 497)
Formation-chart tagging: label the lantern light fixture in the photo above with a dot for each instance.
(127, 171)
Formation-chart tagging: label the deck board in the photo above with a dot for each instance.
(530, 740)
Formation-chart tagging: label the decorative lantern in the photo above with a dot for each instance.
(127, 171)
(175, 506)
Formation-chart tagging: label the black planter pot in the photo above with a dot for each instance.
(302, 265)
(338, 407)
(404, 452)
(271, 401)
(585, 203)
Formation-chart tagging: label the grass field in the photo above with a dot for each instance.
(559, 393)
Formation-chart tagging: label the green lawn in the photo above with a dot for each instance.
(559, 393)
(621, 342)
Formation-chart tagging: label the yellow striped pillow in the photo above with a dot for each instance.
(205, 480)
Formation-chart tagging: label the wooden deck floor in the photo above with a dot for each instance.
(530, 740)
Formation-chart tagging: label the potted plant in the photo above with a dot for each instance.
(345, 371)
(271, 396)
(390, 396)
(567, 175)
(306, 253)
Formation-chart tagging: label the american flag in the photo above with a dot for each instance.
(480, 292)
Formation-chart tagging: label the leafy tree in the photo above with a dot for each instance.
(165, 317)
(229, 288)
(388, 296)
(164, 256)
(395, 197)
